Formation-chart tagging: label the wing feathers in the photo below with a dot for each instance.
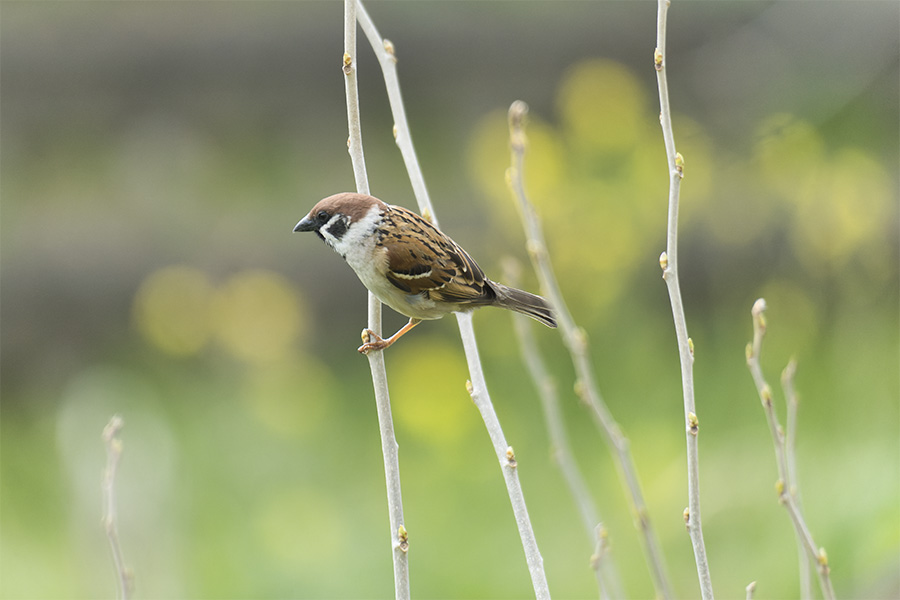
(422, 260)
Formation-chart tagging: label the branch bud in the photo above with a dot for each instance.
(787, 376)
(395, 131)
(664, 261)
(679, 165)
(822, 558)
(581, 391)
(112, 428)
(765, 395)
(658, 59)
(511, 458)
(389, 48)
(518, 110)
(691, 346)
(779, 489)
(348, 64)
(693, 424)
(534, 248)
(687, 517)
(758, 307)
(580, 337)
(403, 538)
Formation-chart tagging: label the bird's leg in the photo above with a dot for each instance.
(373, 342)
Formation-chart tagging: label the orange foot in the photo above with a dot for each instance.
(372, 341)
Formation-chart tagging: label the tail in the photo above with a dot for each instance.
(523, 302)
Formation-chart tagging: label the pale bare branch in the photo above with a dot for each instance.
(124, 575)
(387, 54)
(575, 340)
(785, 483)
(790, 394)
(669, 263)
(601, 561)
(399, 534)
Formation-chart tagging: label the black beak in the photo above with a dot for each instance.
(306, 224)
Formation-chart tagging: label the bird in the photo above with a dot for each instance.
(409, 264)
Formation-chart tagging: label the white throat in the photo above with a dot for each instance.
(355, 244)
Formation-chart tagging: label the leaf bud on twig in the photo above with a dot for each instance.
(389, 48)
(511, 458)
(403, 538)
(693, 424)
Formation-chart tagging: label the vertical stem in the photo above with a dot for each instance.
(787, 384)
(669, 263)
(479, 392)
(387, 57)
(785, 478)
(399, 536)
(124, 577)
(576, 341)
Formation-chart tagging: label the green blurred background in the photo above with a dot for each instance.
(156, 155)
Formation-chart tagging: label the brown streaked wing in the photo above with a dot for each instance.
(422, 259)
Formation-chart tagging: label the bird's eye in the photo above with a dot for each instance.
(322, 216)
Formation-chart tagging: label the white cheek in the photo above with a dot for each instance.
(357, 243)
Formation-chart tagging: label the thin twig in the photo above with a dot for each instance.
(751, 587)
(477, 388)
(783, 485)
(399, 535)
(124, 575)
(387, 56)
(575, 339)
(605, 571)
(669, 263)
(787, 384)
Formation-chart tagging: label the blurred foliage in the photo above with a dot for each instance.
(155, 155)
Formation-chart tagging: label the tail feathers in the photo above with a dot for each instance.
(523, 302)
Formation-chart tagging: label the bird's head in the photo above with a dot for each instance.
(343, 219)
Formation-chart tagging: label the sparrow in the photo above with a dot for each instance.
(408, 264)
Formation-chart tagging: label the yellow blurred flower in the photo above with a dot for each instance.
(428, 390)
(842, 202)
(257, 315)
(848, 213)
(489, 159)
(171, 309)
(602, 106)
(789, 153)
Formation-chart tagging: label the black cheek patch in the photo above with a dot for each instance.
(338, 229)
